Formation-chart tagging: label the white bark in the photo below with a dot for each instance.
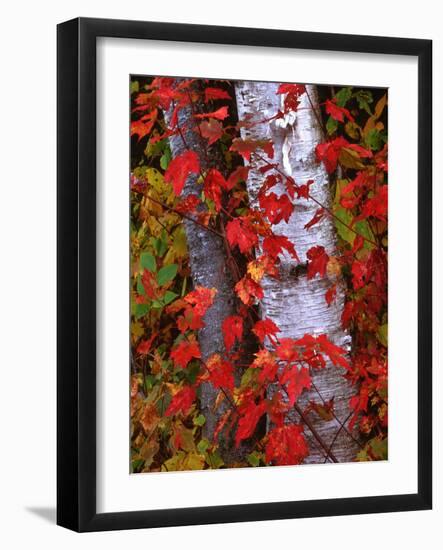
(295, 304)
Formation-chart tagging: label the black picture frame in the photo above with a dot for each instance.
(76, 279)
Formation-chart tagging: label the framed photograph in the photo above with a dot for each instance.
(242, 214)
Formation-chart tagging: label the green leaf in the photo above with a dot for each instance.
(214, 460)
(140, 287)
(344, 216)
(183, 291)
(362, 456)
(163, 403)
(382, 334)
(375, 139)
(364, 98)
(343, 96)
(134, 86)
(192, 372)
(147, 261)
(254, 458)
(199, 420)
(379, 447)
(165, 159)
(155, 149)
(331, 125)
(140, 310)
(169, 297)
(160, 245)
(166, 274)
(137, 464)
(149, 381)
(202, 446)
(361, 227)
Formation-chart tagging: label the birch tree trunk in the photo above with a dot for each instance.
(208, 268)
(295, 304)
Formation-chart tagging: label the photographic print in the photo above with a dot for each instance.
(258, 274)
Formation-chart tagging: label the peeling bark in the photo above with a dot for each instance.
(295, 304)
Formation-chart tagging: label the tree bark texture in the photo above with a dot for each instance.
(297, 305)
(207, 258)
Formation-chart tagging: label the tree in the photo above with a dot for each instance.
(296, 302)
(209, 261)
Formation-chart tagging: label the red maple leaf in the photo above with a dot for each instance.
(277, 208)
(250, 414)
(145, 345)
(143, 126)
(303, 190)
(329, 152)
(212, 130)
(349, 202)
(277, 244)
(318, 261)
(150, 285)
(335, 353)
(240, 233)
(246, 147)
(215, 93)
(184, 352)
(359, 272)
(239, 174)
(293, 93)
(247, 290)
(360, 181)
(296, 380)
(179, 169)
(287, 350)
(286, 88)
(221, 372)
(232, 328)
(337, 112)
(213, 185)
(377, 206)
(219, 114)
(286, 445)
(181, 401)
(188, 205)
(265, 327)
(265, 361)
(316, 218)
(201, 298)
(330, 294)
(190, 320)
(359, 402)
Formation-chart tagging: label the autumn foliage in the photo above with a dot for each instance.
(168, 310)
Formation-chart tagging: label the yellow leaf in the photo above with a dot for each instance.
(381, 104)
(155, 179)
(350, 159)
